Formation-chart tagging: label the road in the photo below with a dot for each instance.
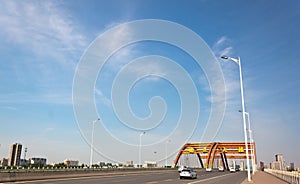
(169, 177)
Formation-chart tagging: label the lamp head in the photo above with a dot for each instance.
(224, 57)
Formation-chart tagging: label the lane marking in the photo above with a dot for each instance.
(64, 179)
(210, 178)
(152, 182)
(85, 177)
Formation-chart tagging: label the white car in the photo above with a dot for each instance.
(231, 169)
(208, 169)
(187, 173)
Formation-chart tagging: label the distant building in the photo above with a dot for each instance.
(262, 165)
(149, 164)
(71, 163)
(275, 165)
(15, 154)
(41, 161)
(292, 166)
(129, 163)
(24, 162)
(4, 162)
(279, 159)
(102, 164)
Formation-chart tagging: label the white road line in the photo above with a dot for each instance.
(209, 179)
(78, 178)
(152, 182)
(66, 179)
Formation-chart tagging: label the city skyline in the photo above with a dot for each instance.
(42, 44)
(279, 163)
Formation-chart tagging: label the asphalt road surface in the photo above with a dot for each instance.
(169, 177)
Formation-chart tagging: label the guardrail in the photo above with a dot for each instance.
(288, 176)
(43, 169)
(28, 175)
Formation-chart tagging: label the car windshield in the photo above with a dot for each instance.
(187, 170)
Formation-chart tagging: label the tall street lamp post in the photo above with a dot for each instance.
(168, 141)
(251, 143)
(238, 61)
(140, 148)
(92, 142)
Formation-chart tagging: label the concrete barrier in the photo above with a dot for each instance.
(28, 175)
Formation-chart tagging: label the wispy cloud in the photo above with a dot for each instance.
(40, 26)
(49, 41)
(8, 108)
(102, 98)
(230, 70)
(115, 40)
(149, 69)
(23, 97)
(221, 47)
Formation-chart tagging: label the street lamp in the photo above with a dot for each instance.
(92, 142)
(168, 141)
(140, 148)
(251, 142)
(238, 61)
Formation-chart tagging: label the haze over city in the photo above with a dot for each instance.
(43, 44)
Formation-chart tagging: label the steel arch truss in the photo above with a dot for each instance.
(218, 150)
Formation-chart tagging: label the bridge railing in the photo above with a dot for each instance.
(288, 176)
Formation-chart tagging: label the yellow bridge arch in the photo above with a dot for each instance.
(219, 150)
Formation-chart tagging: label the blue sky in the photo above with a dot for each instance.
(43, 42)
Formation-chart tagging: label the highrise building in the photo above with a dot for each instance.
(279, 159)
(3, 162)
(292, 166)
(15, 154)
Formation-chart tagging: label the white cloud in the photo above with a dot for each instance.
(121, 57)
(221, 47)
(102, 98)
(22, 97)
(39, 26)
(49, 41)
(148, 69)
(8, 108)
(117, 37)
(221, 40)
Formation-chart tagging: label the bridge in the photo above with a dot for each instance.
(167, 176)
(217, 150)
(206, 154)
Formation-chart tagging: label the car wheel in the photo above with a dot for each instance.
(180, 177)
